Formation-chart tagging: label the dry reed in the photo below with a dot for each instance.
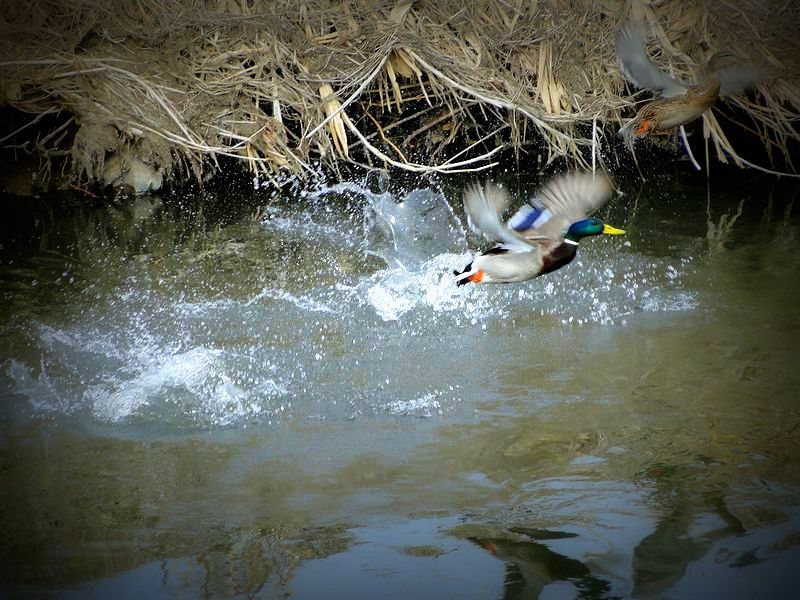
(421, 85)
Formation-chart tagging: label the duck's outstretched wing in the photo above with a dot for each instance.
(735, 79)
(561, 202)
(484, 206)
(637, 66)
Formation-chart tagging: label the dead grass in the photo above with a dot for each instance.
(425, 86)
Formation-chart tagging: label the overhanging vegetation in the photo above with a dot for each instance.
(425, 86)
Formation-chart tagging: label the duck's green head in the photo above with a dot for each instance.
(588, 227)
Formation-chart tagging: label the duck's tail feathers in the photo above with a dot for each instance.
(627, 131)
(463, 276)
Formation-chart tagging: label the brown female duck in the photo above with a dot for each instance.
(678, 103)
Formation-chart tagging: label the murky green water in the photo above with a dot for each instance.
(251, 395)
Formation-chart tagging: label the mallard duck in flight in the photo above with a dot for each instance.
(678, 103)
(542, 236)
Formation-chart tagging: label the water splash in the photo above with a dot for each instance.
(422, 241)
(303, 303)
(314, 223)
(169, 338)
(604, 289)
(424, 406)
(409, 233)
(141, 370)
(166, 375)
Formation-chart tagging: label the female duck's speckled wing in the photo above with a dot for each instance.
(484, 206)
(734, 75)
(638, 68)
(560, 203)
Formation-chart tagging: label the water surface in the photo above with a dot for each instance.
(251, 394)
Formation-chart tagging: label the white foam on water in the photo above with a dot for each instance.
(388, 303)
(423, 406)
(187, 370)
(302, 302)
(597, 289)
(200, 308)
(119, 368)
(197, 380)
(394, 292)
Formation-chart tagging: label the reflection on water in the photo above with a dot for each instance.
(261, 396)
(530, 566)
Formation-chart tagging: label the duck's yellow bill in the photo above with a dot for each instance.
(612, 230)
